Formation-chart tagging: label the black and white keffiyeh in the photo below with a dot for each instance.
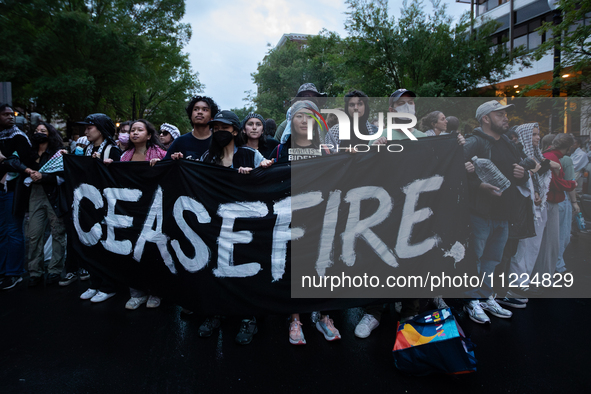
(541, 182)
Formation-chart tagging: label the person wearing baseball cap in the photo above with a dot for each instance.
(100, 130)
(223, 152)
(490, 211)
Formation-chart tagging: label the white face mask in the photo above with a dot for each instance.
(406, 109)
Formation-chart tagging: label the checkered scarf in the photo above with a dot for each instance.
(541, 182)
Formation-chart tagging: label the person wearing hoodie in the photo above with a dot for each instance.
(306, 91)
(490, 209)
(99, 131)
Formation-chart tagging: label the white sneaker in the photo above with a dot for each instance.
(367, 324)
(475, 312)
(134, 302)
(100, 297)
(153, 302)
(88, 294)
(495, 309)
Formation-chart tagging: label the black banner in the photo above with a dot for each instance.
(216, 241)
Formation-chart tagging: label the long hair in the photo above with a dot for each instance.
(215, 152)
(362, 119)
(154, 140)
(242, 139)
(55, 141)
(561, 141)
(212, 106)
(315, 133)
(428, 120)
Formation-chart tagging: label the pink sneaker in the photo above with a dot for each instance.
(327, 328)
(296, 335)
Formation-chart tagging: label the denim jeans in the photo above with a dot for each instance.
(565, 216)
(488, 238)
(12, 240)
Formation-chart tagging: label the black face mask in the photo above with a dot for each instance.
(223, 137)
(40, 138)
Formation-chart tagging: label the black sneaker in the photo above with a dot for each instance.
(69, 279)
(210, 324)
(511, 302)
(10, 281)
(35, 280)
(84, 275)
(248, 328)
(53, 278)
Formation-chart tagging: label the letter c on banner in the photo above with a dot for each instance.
(90, 192)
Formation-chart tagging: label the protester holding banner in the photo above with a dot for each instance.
(295, 145)
(201, 110)
(99, 131)
(144, 145)
(223, 150)
(43, 206)
(253, 134)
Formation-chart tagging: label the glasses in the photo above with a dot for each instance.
(164, 133)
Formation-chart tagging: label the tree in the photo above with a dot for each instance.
(72, 58)
(571, 37)
(421, 52)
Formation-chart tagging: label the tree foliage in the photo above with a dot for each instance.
(423, 52)
(72, 58)
(571, 36)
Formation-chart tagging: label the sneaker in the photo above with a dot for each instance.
(84, 275)
(367, 324)
(511, 294)
(153, 302)
(100, 297)
(495, 309)
(186, 311)
(34, 280)
(296, 335)
(315, 316)
(69, 279)
(439, 303)
(133, 303)
(88, 294)
(327, 328)
(53, 278)
(511, 302)
(248, 328)
(206, 329)
(475, 312)
(10, 281)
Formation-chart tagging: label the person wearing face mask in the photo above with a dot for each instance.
(223, 152)
(123, 135)
(43, 207)
(253, 135)
(81, 145)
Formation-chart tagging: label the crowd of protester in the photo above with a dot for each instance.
(524, 229)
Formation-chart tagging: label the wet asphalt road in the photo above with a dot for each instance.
(52, 342)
